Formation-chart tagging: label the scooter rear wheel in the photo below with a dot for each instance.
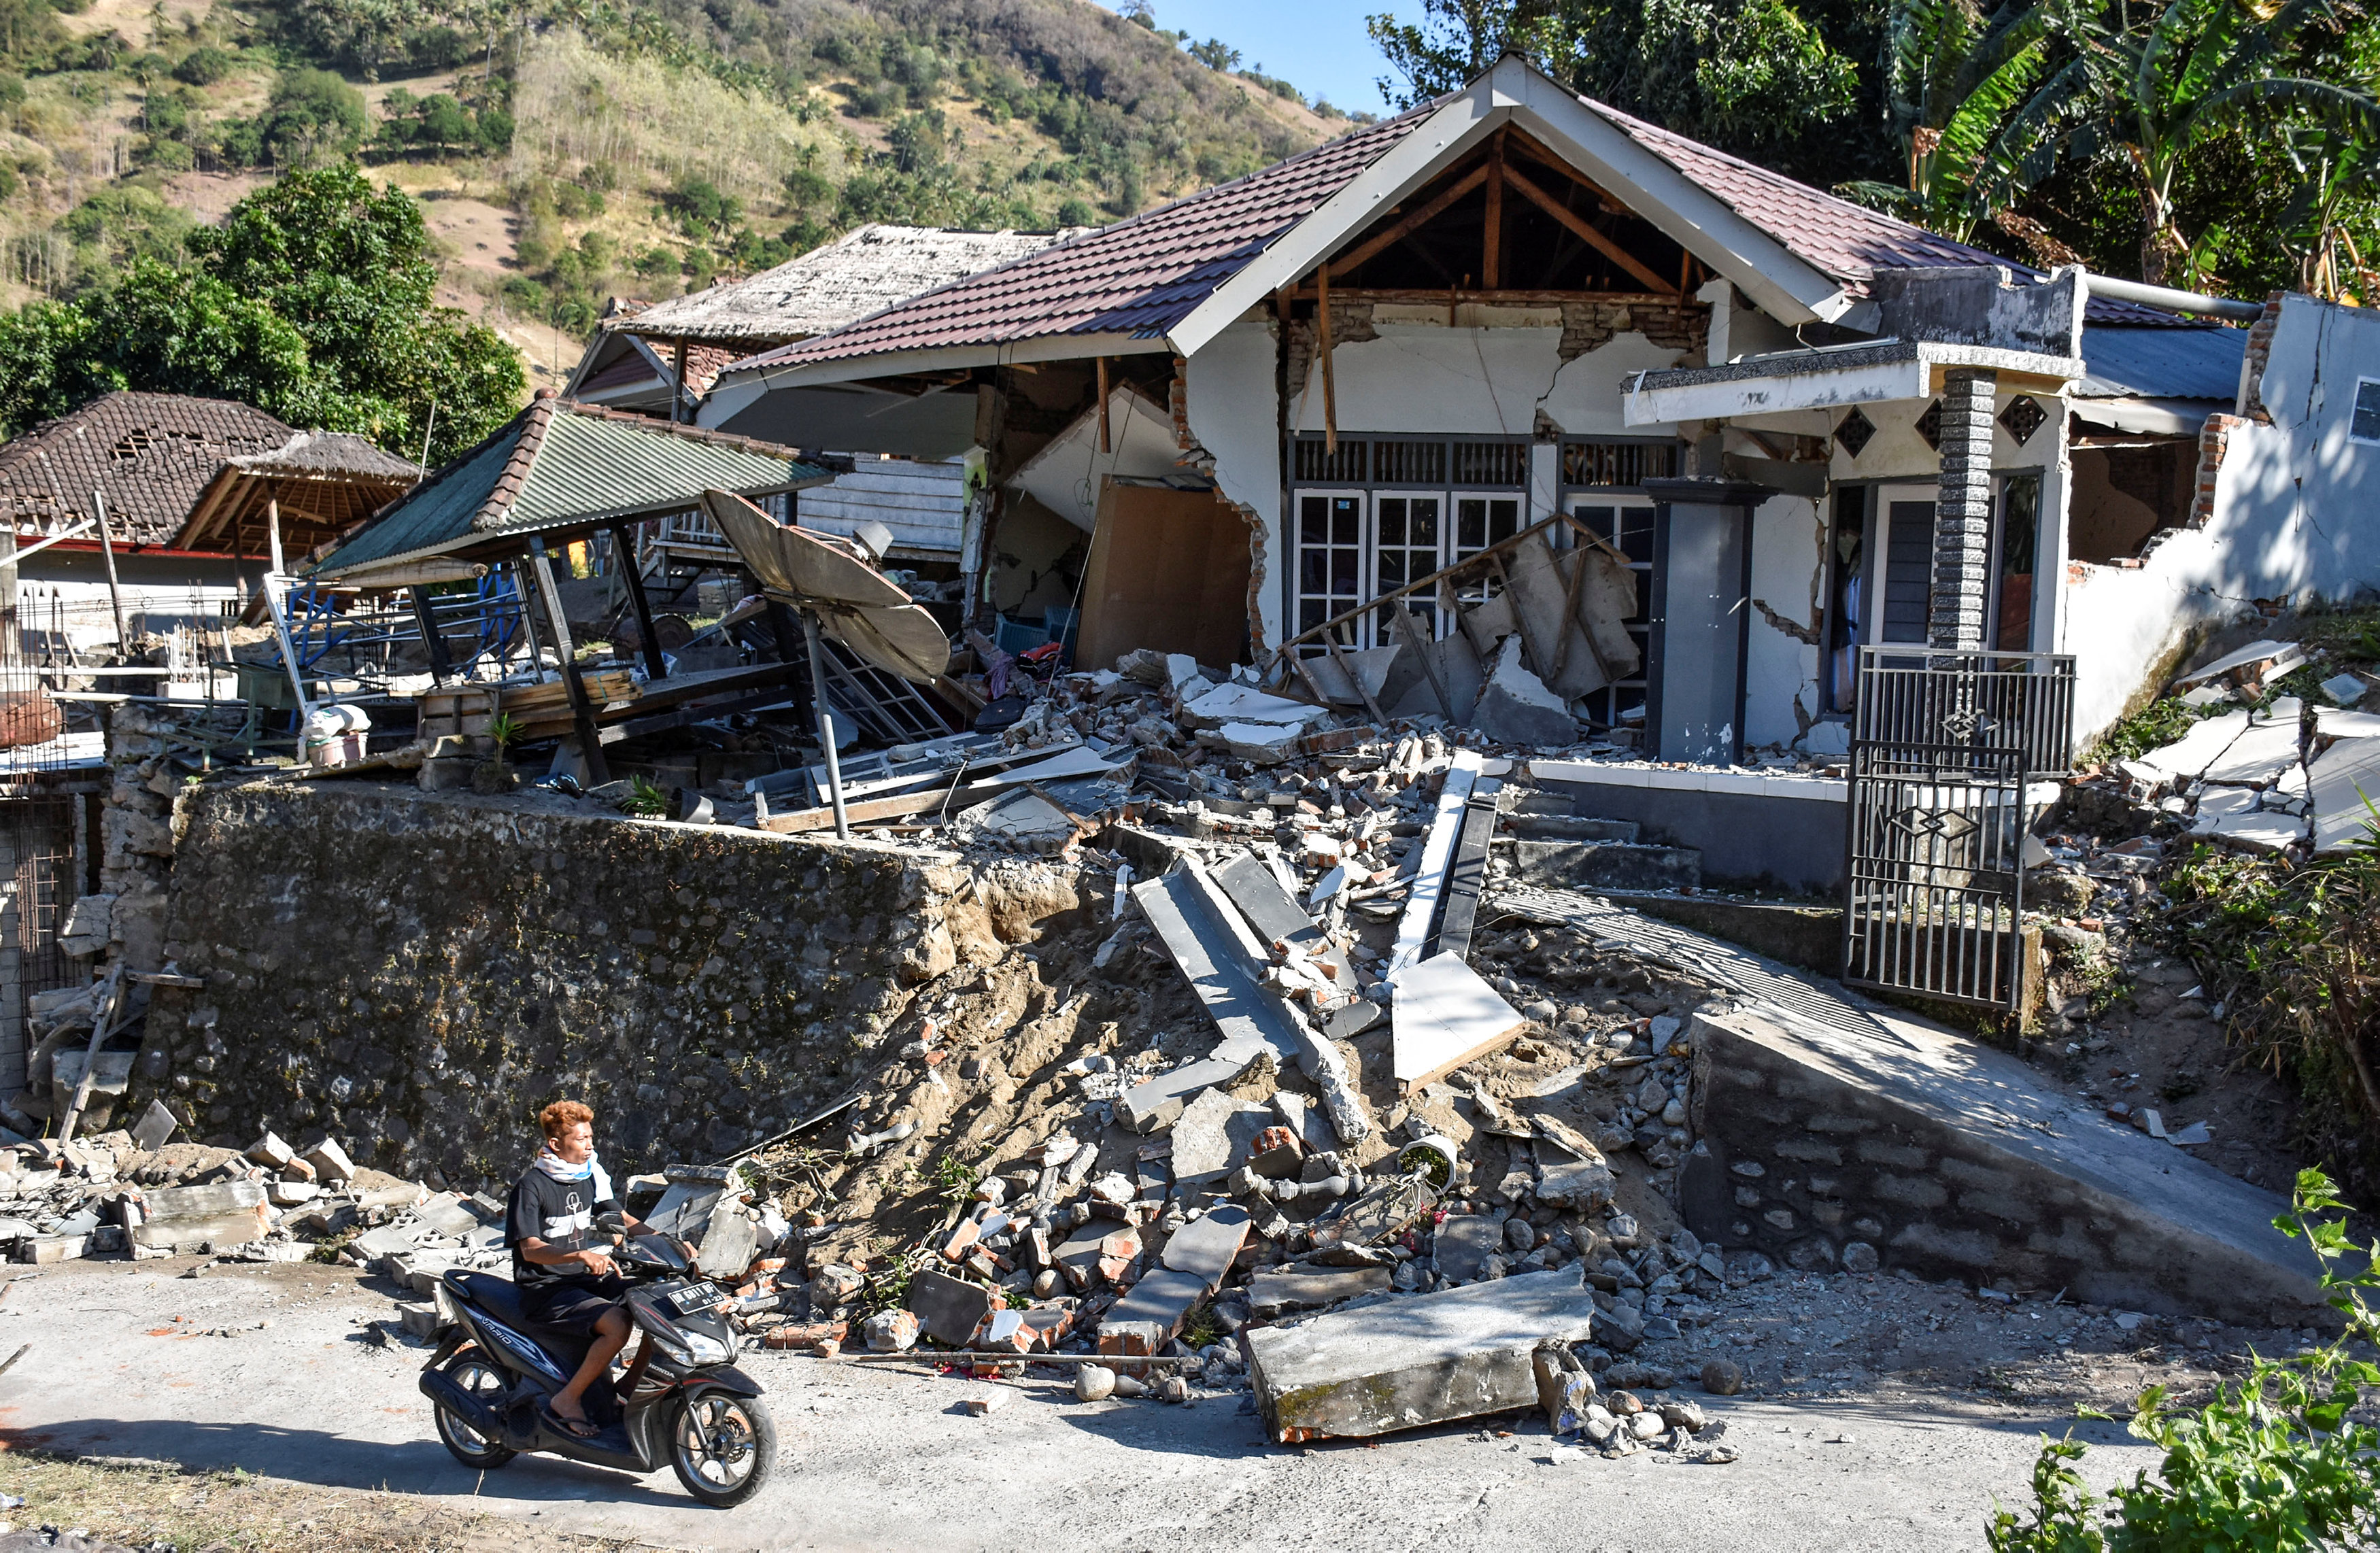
(723, 1447)
(484, 1381)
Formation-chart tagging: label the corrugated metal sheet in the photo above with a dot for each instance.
(922, 502)
(439, 509)
(2161, 363)
(598, 469)
(588, 464)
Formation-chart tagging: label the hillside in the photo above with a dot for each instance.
(565, 151)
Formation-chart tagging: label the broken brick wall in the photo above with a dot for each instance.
(418, 975)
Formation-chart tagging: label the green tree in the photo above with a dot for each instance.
(312, 300)
(2138, 103)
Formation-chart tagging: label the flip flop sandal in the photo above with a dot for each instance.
(576, 1428)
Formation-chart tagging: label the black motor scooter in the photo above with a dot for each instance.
(687, 1402)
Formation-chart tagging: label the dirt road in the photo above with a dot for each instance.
(130, 1360)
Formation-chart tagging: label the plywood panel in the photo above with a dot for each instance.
(1169, 570)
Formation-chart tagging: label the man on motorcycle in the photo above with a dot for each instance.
(562, 1266)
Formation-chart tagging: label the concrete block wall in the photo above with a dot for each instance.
(1930, 1153)
(417, 974)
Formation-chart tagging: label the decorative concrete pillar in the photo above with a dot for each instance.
(1963, 513)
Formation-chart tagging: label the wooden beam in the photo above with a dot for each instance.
(1324, 342)
(1586, 231)
(1405, 228)
(1105, 444)
(623, 557)
(582, 710)
(1491, 234)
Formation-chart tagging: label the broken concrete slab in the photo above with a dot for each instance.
(1276, 916)
(1163, 1299)
(156, 1125)
(2327, 722)
(2346, 690)
(1245, 704)
(948, 1308)
(2189, 755)
(1515, 706)
(1154, 1106)
(2220, 804)
(1207, 1245)
(2257, 757)
(1420, 918)
(1214, 1137)
(2259, 830)
(1097, 1255)
(2274, 658)
(1407, 1362)
(1445, 1015)
(1224, 963)
(228, 1213)
(1970, 1165)
(2338, 781)
(1372, 666)
(1301, 1286)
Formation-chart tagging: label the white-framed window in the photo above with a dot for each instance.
(2363, 422)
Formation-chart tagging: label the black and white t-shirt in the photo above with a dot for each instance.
(559, 1213)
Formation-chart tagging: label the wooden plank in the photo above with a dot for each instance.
(1468, 873)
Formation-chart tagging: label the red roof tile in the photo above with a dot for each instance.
(1142, 275)
(148, 455)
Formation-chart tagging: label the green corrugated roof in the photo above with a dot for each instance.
(585, 464)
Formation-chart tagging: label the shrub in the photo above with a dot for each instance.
(203, 67)
(2271, 1463)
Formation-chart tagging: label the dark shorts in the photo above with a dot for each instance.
(576, 1305)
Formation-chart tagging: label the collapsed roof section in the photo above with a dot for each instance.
(148, 457)
(558, 466)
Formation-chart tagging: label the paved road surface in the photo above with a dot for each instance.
(884, 1458)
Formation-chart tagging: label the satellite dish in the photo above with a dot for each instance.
(853, 603)
(835, 590)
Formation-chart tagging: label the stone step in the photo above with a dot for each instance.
(1930, 1153)
(1567, 827)
(1605, 865)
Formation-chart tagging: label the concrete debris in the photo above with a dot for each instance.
(1516, 707)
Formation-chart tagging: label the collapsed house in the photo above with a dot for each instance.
(662, 358)
(1512, 305)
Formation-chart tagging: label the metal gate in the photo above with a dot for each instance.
(1945, 746)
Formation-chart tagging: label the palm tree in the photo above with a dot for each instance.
(2139, 101)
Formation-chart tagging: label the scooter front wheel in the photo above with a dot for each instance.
(723, 1447)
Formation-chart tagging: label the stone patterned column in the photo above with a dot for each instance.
(1963, 513)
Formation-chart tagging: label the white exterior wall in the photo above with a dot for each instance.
(921, 503)
(1233, 412)
(2293, 515)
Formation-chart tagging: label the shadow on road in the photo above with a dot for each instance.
(419, 1466)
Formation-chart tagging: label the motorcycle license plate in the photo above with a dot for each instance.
(695, 1298)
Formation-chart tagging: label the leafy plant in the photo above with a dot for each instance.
(954, 1179)
(2273, 1462)
(504, 728)
(645, 799)
(2153, 727)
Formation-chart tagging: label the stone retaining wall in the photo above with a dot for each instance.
(417, 974)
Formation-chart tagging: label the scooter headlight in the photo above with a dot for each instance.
(704, 1349)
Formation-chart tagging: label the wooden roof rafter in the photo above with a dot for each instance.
(1509, 161)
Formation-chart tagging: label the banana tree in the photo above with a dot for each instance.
(2139, 101)
(1953, 74)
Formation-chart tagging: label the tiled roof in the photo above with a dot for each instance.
(148, 454)
(1832, 235)
(328, 452)
(560, 464)
(1145, 275)
(870, 268)
(1140, 277)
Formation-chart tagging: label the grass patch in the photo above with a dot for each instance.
(146, 1503)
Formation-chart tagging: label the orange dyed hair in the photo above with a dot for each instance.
(563, 1115)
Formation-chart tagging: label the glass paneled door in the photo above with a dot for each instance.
(1332, 537)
